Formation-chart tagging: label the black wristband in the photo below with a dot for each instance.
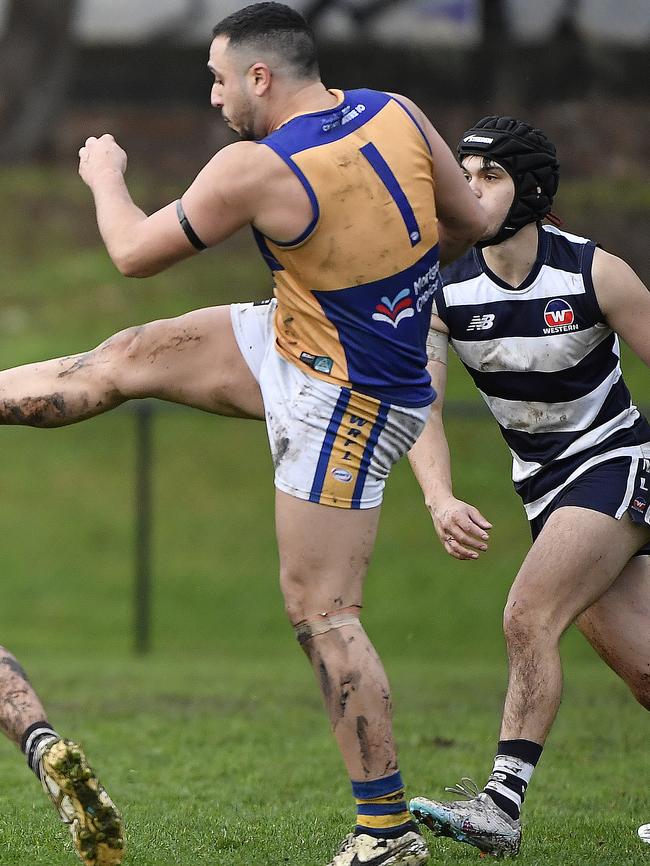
(190, 234)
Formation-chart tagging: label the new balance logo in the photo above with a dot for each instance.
(481, 323)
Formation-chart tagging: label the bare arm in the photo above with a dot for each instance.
(461, 219)
(221, 201)
(461, 528)
(624, 301)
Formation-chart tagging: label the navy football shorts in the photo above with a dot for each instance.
(606, 488)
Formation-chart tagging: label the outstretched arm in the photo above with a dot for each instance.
(624, 301)
(461, 528)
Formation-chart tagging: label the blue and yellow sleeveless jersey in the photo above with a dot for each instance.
(355, 289)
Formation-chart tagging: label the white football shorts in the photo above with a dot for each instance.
(330, 445)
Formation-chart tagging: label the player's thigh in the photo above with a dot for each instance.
(618, 624)
(324, 554)
(192, 359)
(573, 562)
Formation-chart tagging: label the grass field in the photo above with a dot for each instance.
(215, 745)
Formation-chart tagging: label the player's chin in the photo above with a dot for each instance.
(489, 234)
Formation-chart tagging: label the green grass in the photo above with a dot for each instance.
(216, 745)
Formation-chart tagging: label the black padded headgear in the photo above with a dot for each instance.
(529, 158)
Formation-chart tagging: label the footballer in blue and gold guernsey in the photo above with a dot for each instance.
(355, 203)
(535, 315)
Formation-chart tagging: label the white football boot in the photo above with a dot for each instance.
(477, 820)
(82, 803)
(409, 850)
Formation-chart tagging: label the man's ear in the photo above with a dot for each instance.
(261, 76)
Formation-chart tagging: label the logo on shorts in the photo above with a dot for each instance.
(639, 504)
(558, 315)
(342, 474)
(401, 307)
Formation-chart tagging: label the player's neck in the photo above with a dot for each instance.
(513, 259)
(302, 99)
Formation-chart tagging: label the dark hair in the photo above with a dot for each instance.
(276, 26)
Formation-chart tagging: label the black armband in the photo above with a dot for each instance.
(190, 234)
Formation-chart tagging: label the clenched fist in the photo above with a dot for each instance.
(99, 155)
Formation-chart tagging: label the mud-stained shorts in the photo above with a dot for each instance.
(329, 444)
(615, 487)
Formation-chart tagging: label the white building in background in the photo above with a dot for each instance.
(407, 22)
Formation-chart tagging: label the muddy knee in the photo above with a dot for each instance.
(525, 626)
(314, 595)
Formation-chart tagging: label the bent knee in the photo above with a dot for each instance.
(524, 625)
(125, 356)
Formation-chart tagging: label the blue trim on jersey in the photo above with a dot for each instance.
(328, 443)
(315, 207)
(322, 127)
(412, 116)
(375, 433)
(267, 255)
(399, 333)
(557, 387)
(391, 183)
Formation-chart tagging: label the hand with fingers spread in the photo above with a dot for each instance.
(99, 155)
(461, 528)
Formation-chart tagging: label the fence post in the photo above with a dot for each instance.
(143, 499)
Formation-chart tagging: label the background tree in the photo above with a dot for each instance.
(36, 56)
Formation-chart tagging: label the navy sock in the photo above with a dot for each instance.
(513, 768)
(381, 808)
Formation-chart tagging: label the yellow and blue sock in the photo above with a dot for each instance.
(381, 808)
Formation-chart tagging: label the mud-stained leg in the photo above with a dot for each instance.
(79, 798)
(324, 556)
(193, 359)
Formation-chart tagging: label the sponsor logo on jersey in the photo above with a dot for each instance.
(343, 116)
(559, 317)
(395, 310)
(342, 474)
(481, 323)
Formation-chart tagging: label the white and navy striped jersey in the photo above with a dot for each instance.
(546, 363)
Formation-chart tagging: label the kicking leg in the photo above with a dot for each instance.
(193, 359)
(618, 627)
(61, 766)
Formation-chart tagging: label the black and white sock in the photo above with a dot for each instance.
(513, 768)
(38, 734)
